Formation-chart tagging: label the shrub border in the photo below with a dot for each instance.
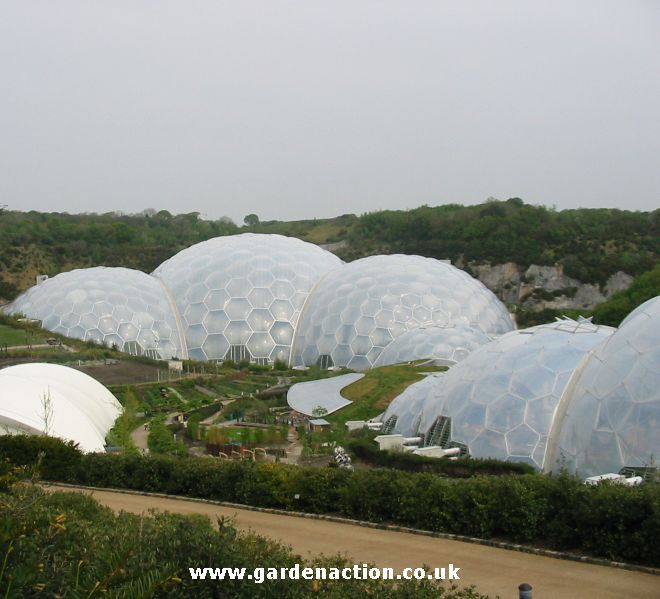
(585, 559)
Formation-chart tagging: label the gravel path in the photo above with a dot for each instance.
(492, 570)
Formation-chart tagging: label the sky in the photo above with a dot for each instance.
(312, 109)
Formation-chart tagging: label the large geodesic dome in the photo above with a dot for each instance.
(611, 419)
(114, 306)
(358, 309)
(501, 401)
(37, 399)
(443, 345)
(240, 296)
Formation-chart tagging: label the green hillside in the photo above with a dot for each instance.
(591, 244)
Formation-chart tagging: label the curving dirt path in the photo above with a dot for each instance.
(492, 570)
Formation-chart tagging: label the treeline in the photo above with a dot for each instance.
(591, 244)
(79, 240)
(611, 521)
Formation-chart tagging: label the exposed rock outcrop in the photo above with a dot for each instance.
(541, 287)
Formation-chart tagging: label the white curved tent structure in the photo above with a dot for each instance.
(39, 399)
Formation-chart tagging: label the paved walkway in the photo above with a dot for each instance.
(494, 571)
(140, 435)
(325, 394)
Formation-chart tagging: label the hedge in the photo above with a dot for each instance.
(366, 450)
(609, 521)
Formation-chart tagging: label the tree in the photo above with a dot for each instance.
(251, 220)
(319, 412)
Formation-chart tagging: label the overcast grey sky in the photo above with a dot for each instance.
(313, 109)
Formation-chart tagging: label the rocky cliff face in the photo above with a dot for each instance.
(541, 287)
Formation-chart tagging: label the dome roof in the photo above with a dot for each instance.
(113, 306)
(444, 345)
(502, 399)
(358, 309)
(58, 401)
(404, 413)
(240, 296)
(611, 418)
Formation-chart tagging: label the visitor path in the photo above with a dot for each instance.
(492, 570)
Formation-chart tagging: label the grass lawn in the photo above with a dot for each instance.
(373, 393)
(11, 337)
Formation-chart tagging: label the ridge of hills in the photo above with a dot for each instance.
(546, 260)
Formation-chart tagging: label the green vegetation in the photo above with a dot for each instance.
(365, 449)
(612, 521)
(374, 392)
(247, 436)
(591, 244)
(643, 288)
(11, 336)
(67, 545)
(120, 434)
(610, 312)
(161, 439)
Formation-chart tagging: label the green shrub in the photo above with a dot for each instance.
(366, 450)
(66, 544)
(58, 459)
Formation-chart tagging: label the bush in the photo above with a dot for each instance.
(59, 461)
(66, 544)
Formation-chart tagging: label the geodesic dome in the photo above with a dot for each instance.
(404, 413)
(502, 399)
(443, 345)
(240, 296)
(611, 417)
(113, 306)
(358, 309)
(39, 399)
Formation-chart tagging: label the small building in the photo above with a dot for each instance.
(175, 365)
(317, 425)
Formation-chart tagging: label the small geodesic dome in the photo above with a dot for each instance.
(443, 345)
(39, 399)
(114, 306)
(500, 402)
(240, 296)
(404, 413)
(357, 310)
(611, 417)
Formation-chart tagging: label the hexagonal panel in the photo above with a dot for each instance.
(215, 321)
(282, 333)
(260, 345)
(260, 320)
(260, 298)
(216, 299)
(195, 313)
(215, 347)
(238, 309)
(237, 332)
